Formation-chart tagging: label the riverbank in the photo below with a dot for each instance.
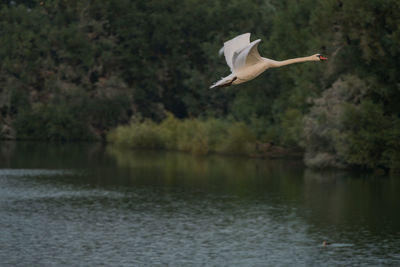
(198, 137)
(221, 136)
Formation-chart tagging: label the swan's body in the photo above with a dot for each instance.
(246, 63)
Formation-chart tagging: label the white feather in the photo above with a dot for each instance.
(224, 81)
(233, 45)
(247, 56)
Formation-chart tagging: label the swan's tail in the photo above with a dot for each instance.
(226, 81)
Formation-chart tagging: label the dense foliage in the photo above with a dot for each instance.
(73, 70)
(199, 137)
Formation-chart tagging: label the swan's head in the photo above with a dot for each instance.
(319, 57)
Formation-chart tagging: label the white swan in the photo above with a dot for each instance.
(246, 63)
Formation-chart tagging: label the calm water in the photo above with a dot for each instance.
(88, 205)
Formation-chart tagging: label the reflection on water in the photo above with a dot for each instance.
(86, 204)
(33, 172)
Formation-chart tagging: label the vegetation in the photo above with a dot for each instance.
(73, 70)
(199, 137)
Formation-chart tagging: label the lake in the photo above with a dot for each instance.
(85, 204)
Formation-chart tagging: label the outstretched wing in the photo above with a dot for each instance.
(226, 81)
(247, 56)
(236, 44)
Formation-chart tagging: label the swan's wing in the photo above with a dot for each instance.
(233, 45)
(221, 51)
(224, 81)
(247, 56)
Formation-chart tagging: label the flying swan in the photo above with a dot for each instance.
(246, 63)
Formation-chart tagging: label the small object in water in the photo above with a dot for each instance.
(325, 244)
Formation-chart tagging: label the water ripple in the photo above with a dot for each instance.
(58, 218)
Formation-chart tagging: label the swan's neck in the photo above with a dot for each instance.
(282, 63)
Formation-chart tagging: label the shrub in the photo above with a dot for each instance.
(196, 136)
(346, 128)
(50, 122)
(371, 137)
(291, 127)
(238, 140)
(322, 127)
(144, 134)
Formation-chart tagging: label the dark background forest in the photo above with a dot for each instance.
(76, 70)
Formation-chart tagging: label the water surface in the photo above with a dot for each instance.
(90, 205)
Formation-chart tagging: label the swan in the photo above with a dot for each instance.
(246, 63)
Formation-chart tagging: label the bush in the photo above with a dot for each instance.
(238, 140)
(345, 128)
(322, 126)
(291, 127)
(371, 137)
(196, 136)
(138, 135)
(50, 122)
